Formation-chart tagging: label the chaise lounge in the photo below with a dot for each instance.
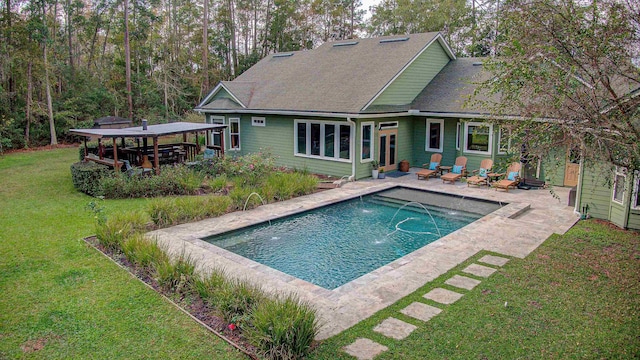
(433, 167)
(457, 171)
(481, 174)
(512, 178)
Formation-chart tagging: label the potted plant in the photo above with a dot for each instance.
(381, 174)
(374, 169)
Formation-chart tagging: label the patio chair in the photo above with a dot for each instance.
(512, 178)
(480, 177)
(457, 171)
(209, 154)
(432, 168)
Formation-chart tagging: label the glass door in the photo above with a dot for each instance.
(388, 149)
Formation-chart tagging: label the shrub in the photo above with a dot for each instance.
(87, 177)
(218, 183)
(173, 180)
(239, 196)
(236, 300)
(143, 252)
(176, 276)
(249, 169)
(120, 226)
(283, 328)
(283, 186)
(209, 287)
(172, 211)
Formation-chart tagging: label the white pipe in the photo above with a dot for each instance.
(576, 206)
(353, 149)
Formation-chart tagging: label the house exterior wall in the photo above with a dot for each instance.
(415, 77)
(420, 155)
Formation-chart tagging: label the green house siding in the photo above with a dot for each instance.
(221, 94)
(634, 220)
(449, 152)
(595, 194)
(415, 77)
(618, 214)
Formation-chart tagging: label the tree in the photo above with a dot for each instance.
(568, 69)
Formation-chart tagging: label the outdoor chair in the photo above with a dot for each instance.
(432, 168)
(512, 178)
(209, 154)
(480, 177)
(457, 171)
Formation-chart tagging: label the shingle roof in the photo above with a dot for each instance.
(327, 79)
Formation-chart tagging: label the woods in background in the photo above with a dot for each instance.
(64, 63)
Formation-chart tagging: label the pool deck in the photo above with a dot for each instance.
(515, 230)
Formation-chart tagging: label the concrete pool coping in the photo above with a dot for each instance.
(529, 218)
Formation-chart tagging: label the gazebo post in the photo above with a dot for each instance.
(207, 138)
(115, 156)
(156, 160)
(86, 151)
(222, 142)
(197, 143)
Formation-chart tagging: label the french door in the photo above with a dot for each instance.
(388, 149)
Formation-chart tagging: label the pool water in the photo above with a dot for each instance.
(333, 245)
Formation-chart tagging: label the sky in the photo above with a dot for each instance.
(366, 4)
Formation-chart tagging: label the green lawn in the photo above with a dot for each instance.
(62, 299)
(577, 296)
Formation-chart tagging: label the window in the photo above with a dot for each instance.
(258, 121)
(329, 140)
(458, 126)
(620, 177)
(635, 198)
(504, 140)
(216, 135)
(234, 133)
(435, 135)
(478, 138)
(366, 149)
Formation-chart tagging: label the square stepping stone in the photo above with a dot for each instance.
(479, 270)
(443, 296)
(394, 328)
(421, 311)
(462, 282)
(365, 349)
(494, 260)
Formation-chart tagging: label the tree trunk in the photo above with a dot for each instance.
(234, 48)
(205, 49)
(52, 124)
(127, 58)
(69, 37)
(28, 106)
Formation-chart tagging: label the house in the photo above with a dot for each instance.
(335, 109)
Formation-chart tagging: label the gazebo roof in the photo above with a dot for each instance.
(152, 130)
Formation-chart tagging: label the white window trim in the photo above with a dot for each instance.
(211, 119)
(466, 136)
(258, 121)
(636, 191)
(428, 135)
(231, 148)
(500, 134)
(619, 171)
(388, 125)
(458, 127)
(372, 146)
(336, 143)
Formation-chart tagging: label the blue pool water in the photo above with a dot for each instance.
(335, 244)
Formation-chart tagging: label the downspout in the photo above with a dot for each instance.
(353, 149)
(576, 206)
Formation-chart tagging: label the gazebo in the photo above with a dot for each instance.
(141, 155)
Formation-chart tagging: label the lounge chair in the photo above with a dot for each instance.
(457, 171)
(480, 177)
(512, 178)
(432, 168)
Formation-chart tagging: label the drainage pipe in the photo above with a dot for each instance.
(353, 149)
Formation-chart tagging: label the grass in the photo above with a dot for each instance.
(577, 296)
(61, 298)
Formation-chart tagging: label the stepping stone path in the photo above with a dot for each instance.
(479, 270)
(364, 349)
(394, 328)
(462, 282)
(443, 296)
(421, 311)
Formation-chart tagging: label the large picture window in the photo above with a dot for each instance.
(366, 149)
(635, 199)
(329, 140)
(435, 135)
(234, 133)
(478, 138)
(620, 177)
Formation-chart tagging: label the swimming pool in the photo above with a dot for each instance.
(333, 245)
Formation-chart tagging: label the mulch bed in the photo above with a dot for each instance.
(192, 305)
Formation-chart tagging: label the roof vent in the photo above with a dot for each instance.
(477, 63)
(282, 55)
(393, 40)
(350, 43)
